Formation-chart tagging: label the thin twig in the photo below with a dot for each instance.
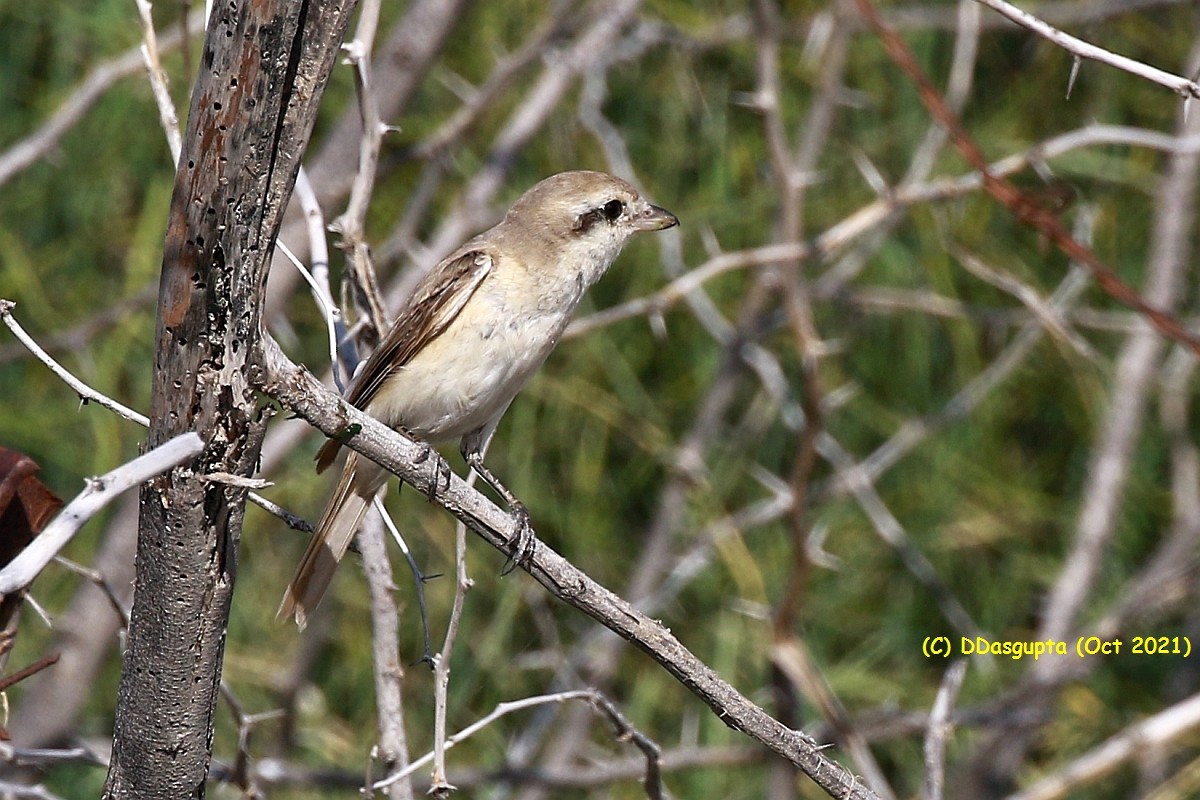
(418, 575)
(1148, 735)
(97, 578)
(440, 786)
(243, 775)
(1049, 317)
(318, 277)
(9, 681)
(1080, 49)
(627, 732)
(591, 696)
(941, 725)
(27, 152)
(360, 272)
(47, 756)
(100, 491)
(158, 80)
(86, 393)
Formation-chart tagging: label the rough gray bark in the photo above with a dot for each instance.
(262, 72)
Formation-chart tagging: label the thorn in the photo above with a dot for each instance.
(1075, 62)
(870, 173)
(658, 325)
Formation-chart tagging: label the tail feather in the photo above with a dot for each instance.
(344, 513)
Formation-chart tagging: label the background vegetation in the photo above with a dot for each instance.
(663, 453)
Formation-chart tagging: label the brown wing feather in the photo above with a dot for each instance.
(434, 305)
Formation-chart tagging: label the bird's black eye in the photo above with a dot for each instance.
(608, 212)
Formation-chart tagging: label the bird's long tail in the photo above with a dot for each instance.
(358, 486)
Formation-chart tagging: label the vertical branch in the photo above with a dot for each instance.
(440, 787)
(791, 173)
(262, 73)
(158, 80)
(360, 273)
(1136, 367)
(385, 649)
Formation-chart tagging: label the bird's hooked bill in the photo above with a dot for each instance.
(655, 219)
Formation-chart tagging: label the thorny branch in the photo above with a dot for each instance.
(1026, 209)
(300, 392)
(1184, 87)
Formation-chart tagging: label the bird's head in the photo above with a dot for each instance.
(587, 212)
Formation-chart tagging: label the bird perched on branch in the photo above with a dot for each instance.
(474, 331)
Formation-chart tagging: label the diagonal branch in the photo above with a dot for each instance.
(297, 389)
(1081, 49)
(99, 492)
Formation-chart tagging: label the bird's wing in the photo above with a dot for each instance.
(437, 301)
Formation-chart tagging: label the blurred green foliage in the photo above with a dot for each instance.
(991, 501)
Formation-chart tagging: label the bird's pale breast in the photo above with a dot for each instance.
(469, 374)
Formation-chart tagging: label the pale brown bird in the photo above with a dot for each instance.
(474, 331)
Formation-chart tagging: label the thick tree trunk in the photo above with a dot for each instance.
(263, 69)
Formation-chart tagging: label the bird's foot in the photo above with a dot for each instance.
(523, 542)
(439, 478)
